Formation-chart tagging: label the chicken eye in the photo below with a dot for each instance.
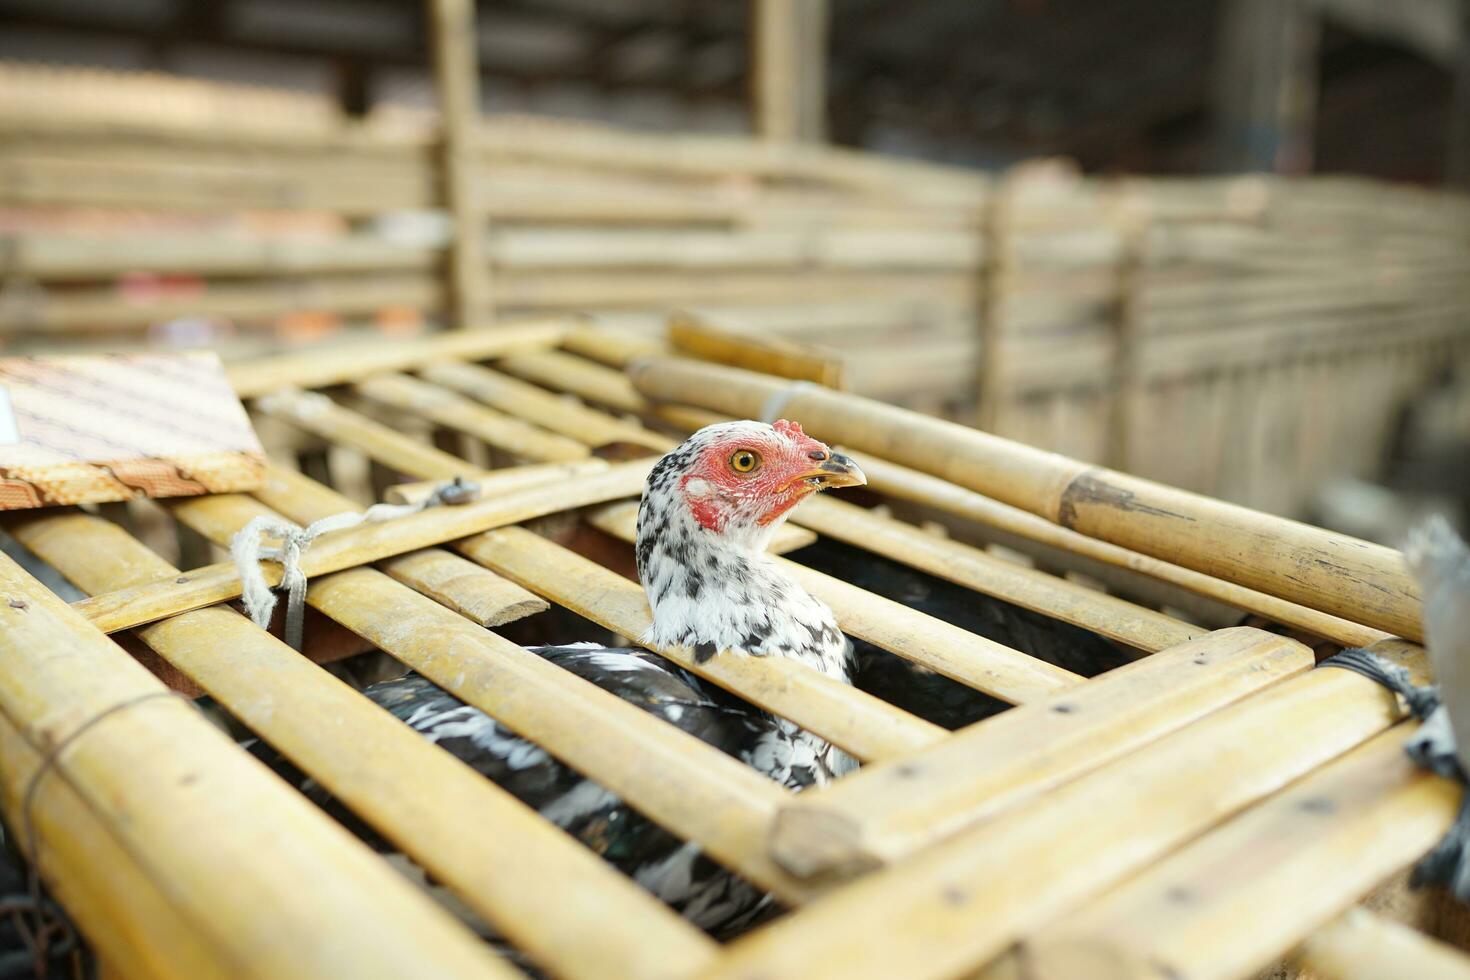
(744, 461)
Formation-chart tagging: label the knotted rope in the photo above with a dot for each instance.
(1432, 747)
(248, 550)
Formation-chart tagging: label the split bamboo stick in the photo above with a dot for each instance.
(459, 414)
(902, 483)
(956, 906)
(125, 916)
(272, 882)
(1326, 571)
(1364, 946)
(973, 660)
(1237, 899)
(319, 415)
(889, 811)
(310, 369)
(535, 404)
(868, 728)
(971, 567)
(577, 375)
(365, 543)
(541, 890)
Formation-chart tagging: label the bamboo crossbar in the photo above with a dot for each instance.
(953, 907)
(196, 812)
(1305, 852)
(127, 608)
(1361, 945)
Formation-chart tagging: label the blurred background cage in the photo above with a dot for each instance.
(253, 174)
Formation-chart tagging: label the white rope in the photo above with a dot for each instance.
(781, 397)
(248, 550)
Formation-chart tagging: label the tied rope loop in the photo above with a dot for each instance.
(248, 550)
(1432, 747)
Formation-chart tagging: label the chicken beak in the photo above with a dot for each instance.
(839, 471)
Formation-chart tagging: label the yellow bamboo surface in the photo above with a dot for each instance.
(508, 864)
(315, 369)
(888, 811)
(1363, 946)
(460, 414)
(273, 886)
(903, 483)
(1326, 571)
(134, 606)
(1238, 898)
(953, 907)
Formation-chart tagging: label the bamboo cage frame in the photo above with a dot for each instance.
(1052, 840)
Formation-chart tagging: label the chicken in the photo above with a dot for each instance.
(709, 510)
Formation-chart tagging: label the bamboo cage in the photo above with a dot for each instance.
(1069, 313)
(1209, 808)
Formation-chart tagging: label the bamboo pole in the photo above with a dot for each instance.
(310, 369)
(972, 660)
(902, 483)
(971, 567)
(126, 608)
(789, 81)
(889, 811)
(1319, 569)
(1362, 946)
(459, 414)
(536, 404)
(854, 720)
(541, 890)
(280, 890)
(1304, 855)
(126, 917)
(954, 907)
(457, 80)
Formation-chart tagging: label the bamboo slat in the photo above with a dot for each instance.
(1240, 897)
(319, 415)
(692, 337)
(509, 865)
(200, 813)
(856, 721)
(310, 369)
(974, 660)
(966, 565)
(535, 404)
(1326, 571)
(125, 916)
(903, 483)
(953, 907)
(889, 811)
(365, 543)
(460, 414)
(577, 375)
(1363, 946)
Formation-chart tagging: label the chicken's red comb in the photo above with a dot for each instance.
(787, 428)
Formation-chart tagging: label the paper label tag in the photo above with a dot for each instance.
(9, 431)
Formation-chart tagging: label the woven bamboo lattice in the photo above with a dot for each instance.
(1200, 812)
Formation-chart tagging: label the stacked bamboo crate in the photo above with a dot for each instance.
(1242, 337)
(1054, 840)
